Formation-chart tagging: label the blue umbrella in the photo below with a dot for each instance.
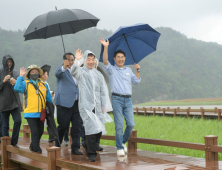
(137, 41)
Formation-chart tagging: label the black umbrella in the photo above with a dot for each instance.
(50, 119)
(60, 22)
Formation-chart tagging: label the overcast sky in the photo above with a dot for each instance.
(199, 19)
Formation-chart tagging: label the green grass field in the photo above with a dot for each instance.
(168, 128)
(185, 102)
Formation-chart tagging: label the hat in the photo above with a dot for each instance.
(31, 67)
(46, 67)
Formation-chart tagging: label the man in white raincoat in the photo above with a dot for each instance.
(92, 101)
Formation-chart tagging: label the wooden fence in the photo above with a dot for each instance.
(177, 112)
(55, 162)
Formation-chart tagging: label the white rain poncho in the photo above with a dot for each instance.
(107, 118)
(91, 95)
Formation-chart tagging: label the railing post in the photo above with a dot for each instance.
(4, 154)
(175, 112)
(178, 109)
(144, 111)
(215, 109)
(132, 146)
(164, 111)
(219, 114)
(154, 111)
(159, 108)
(137, 111)
(26, 136)
(53, 154)
(202, 113)
(188, 112)
(211, 157)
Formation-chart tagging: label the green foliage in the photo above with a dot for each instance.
(180, 68)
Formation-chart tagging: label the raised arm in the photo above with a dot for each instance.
(75, 70)
(105, 44)
(20, 84)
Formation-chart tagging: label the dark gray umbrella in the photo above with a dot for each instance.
(104, 72)
(50, 119)
(60, 22)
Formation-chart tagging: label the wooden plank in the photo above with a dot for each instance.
(108, 137)
(28, 154)
(195, 146)
(64, 163)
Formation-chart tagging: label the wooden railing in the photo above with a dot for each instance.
(145, 110)
(55, 162)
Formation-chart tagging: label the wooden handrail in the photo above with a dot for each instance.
(54, 159)
(29, 154)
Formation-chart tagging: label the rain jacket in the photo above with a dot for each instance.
(33, 102)
(9, 99)
(91, 96)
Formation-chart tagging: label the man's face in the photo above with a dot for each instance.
(120, 60)
(45, 76)
(90, 62)
(95, 64)
(34, 71)
(9, 62)
(71, 59)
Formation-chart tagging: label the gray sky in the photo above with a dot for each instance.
(199, 19)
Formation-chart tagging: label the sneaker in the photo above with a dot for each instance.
(120, 152)
(125, 147)
(65, 143)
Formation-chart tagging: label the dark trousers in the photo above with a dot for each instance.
(66, 135)
(64, 117)
(50, 131)
(91, 143)
(16, 116)
(37, 129)
(82, 134)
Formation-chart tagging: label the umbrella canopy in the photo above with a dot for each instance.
(137, 41)
(69, 20)
(60, 22)
(103, 72)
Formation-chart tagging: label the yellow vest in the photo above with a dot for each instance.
(32, 101)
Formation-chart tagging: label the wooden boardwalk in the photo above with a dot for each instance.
(107, 159)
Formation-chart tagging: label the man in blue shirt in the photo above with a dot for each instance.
(121, 78)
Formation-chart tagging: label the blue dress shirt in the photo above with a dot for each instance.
(121, 78)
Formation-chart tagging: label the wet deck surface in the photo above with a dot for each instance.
(107, 159)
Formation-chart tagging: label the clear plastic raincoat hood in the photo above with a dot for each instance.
(91, 96)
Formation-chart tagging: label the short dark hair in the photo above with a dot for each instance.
(64, 56)
(44, 71)
(119, 51)
(91, 54)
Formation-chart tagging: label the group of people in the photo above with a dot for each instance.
(81, 99)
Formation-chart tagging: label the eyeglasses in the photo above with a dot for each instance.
(118, 57)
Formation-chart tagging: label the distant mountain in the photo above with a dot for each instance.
(180, 68)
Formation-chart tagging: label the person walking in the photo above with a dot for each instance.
(120, 78)
(66, 101)
(9, 99)
(44, 77)
(92, 101)
(36, 93)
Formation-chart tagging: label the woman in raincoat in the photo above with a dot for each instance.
(92, 101)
